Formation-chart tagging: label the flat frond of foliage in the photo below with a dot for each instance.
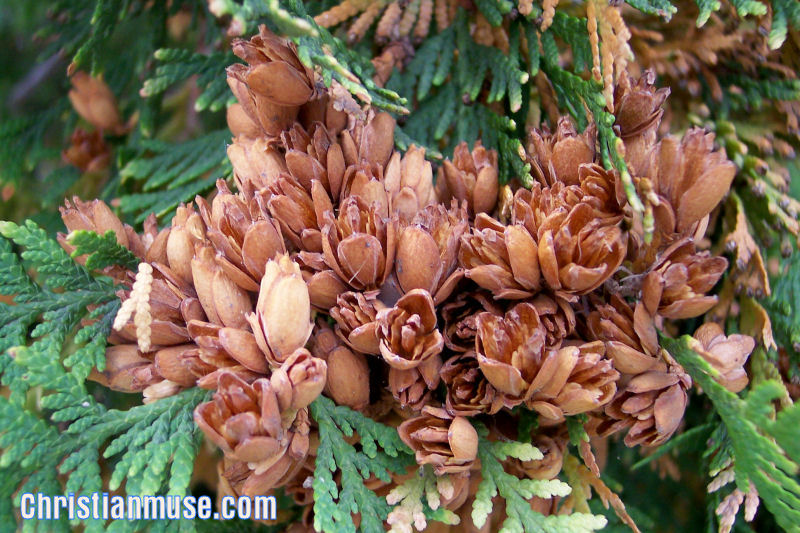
(378, 452)
(764, 447)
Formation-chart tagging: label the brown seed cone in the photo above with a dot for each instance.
(690, 177)
(448, 444)
(630, 337)
(273, 85)
(348, 371)
(95, 103)
(356, 315)
(188, 230)
(305, 376)
(256, 424)
(299, 213)
(324, 286)
(223, 300)
(412, 387)
(468, 391)
(88, 152)
(459, 316)
(556, 157)
(638, 111)
(471, 177)
(427, 251)
(678, 283)
(726, 354)
(557, 317)
(650, 407)
(366, 180)
(359, 245)
(243, 242)
(223, 350)
(370, 141)
(409, 183)
(315, 154)
(569, 380)
(501, 259)
(280, 330)
(580, 241)
(256, 162)
(407, 332)
(509, 351)
(92, 216)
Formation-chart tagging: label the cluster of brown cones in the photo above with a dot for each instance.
(339, 268)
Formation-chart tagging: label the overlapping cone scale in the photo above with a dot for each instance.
(339, 266)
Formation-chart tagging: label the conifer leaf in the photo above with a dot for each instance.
(379, 451)
(178, 65)
(784, 313)
(662, 8)
(517, 493)
(101, 250)
(44, 320)
(174, 173)
(764, 448)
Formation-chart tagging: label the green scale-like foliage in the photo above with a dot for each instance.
(763, 445)
(173, 173)
(784, 313)
(52, 336)
(379, 452)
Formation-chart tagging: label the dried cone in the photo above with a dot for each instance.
(370, 141)
(356, 316)
(557, 157)
(638, 114)
(407, 332)
(315, 155)
(549, 466)
(412, 387)
(690, 177)
(409, 183)
(92, 216)
(727, 355)
(256, 163)
(359, 245)
(427, 251)
(449, 444)
(557, 317)
(88, 152)
(678, 284)
(305, 376)
(650, 407)
(577, 229)
(471, 177)
(299, 213)
(459, 315)
(126, 370)
(224, 350)
(223, 300)
(280, 329)
(272, 86)
(468, 391)
(243, 243)
(254, 423)
(95, 103)
(555, 382)
(630, 338)
(501, 259)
